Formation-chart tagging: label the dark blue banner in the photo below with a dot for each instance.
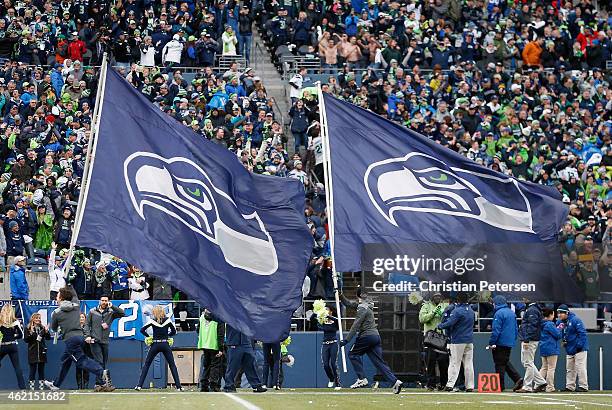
(185, 210)
(396, 187)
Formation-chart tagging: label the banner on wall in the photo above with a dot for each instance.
(137, 313)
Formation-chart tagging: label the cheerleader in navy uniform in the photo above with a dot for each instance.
(10, 331)
(160, 342)
(329, 348)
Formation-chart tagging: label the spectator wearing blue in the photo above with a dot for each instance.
(460, 326)
(574, 338)
(531, 329)
(19, 284)
(549, 348)
(15, 244)
(502, 340)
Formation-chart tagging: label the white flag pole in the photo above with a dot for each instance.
(329, 197)
(89, 161)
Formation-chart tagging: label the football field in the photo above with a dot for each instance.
(316, 399)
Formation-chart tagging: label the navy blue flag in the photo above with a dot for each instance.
(397, 188)
(185, 210)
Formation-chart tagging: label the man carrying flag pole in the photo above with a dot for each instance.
(368, 340)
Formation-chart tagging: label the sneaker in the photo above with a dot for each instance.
(229, 390)
(41, 385)
(397, 387)
(137, 388)
(540, 388)
(338, 387)
(180, 389)
(566, 390)
(523, 390)
(32, 384)
(448, 389)
(518, 385)
(49, 385)
(330, 384)
(260, 389)
(582, 390)
(469, 390)
(277, 387)
(108, 388)
(97, 388)
(359, 383)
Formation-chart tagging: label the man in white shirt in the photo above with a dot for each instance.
(296, 82)
(57, 277)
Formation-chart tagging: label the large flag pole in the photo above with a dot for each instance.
(329, 197)
(89, 160)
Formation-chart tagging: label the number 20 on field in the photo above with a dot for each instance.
(488, 383)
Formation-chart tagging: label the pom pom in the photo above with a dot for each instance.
(148, 340)
(415, 298)
(319, 309)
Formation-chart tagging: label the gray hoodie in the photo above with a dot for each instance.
(364, 324)
(95, 318)
(67, 317)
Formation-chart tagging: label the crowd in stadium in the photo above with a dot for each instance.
(520, 87)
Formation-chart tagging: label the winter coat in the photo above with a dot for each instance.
(430, 315)
(574, 334)
(460, 324)
(364, 324)
(505, 329)
(147, 55)
(19, 284)
(549, 340)
(299, 119)
(14, 243)
(37, 350)
(95, 318)
(531, 326)
(172, 51)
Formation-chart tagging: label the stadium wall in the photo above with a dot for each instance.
(127, 356)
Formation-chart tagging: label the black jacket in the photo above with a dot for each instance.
(37, 350)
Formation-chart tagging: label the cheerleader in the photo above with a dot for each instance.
(10, 331)
(35, 336)
(160, 342)
(329, 347)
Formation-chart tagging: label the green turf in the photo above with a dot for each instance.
(316, 399)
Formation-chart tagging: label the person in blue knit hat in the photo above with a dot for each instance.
(574, 336)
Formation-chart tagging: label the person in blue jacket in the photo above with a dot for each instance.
(460, 325)
(19, 284)
(240, 355)
(549, 348)
(502, 340)
(531, 328)
(574, 338)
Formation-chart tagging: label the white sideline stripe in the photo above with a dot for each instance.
(570, 401)
(548, 396)
(246, 404)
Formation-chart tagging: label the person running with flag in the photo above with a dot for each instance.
(367, 342)
(65, 320)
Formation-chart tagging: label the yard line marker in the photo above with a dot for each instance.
(569, 401)
(246, 404)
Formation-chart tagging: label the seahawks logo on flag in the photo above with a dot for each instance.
(421, 183)
(181, 189)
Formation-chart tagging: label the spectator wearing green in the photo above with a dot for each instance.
(430, 316)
